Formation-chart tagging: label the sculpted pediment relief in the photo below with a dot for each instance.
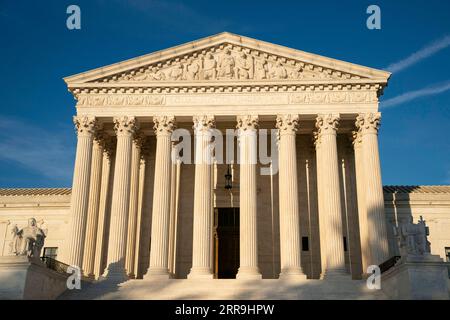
(227, 62)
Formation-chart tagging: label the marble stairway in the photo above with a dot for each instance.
(226, 289)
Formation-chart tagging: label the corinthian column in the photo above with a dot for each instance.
(159, 251)
(361, 194)
(322, 221)
(134, 201)
(248, 236)
(290, 250)
(86, 127)
(93, 208)
(109, 147)
(201, 249)
(368, 125)
(125, 128)
(330, 195)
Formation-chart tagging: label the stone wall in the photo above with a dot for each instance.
(433, 206)
(52, 211)
(22, 278)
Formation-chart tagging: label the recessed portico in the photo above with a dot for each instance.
(296, 131)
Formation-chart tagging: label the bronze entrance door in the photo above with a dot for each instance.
(226, 242)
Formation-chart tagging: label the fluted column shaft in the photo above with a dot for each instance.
(331, 195)
(248, 236)
(134, 201)
(125, 128)
(322, 220)
(93, 207)
(174, 196)
(74, 245)
(159, 251)
(360, 192)
(290, 250)
(368, 125)
(103, 214)
(202, 236)
(141, 194)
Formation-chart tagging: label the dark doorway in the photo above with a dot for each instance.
(226, 242)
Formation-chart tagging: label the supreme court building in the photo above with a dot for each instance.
(311, 207)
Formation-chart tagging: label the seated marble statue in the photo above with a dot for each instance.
(28, 241)
(412, 238)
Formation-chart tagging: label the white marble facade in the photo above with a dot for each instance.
(135, 212)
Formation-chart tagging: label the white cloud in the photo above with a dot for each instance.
(411, 95)
(420, 55)
(179, 16)
(47, 153)
(447, 179)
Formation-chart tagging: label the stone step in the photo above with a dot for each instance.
(224, 289)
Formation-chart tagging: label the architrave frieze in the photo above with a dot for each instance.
(228, 103)
(298, 98)
(239, 95)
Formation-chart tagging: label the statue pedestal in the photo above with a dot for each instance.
(421, 277)
(27, 278)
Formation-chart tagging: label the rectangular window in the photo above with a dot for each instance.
(345, 243)
(305, 243)
(51, 252)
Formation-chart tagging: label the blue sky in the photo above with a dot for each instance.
(37, 139)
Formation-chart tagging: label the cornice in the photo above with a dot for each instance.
(6, 192)
(225, 87)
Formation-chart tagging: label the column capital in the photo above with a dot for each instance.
(203, 123)
(125, 125)
(316, 138)
(85, 125)
(139, 139)
(164, 125)
(368, 122)
(109, 145)
(102, 138)
(247, 122)
(327, 123)
(287, 123)
(356, 139)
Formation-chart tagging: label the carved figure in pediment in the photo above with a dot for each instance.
(244, 66)
(296, 73)
(140, 77)
(176, 73)
(192, 70)
(226, 65)
(156, 74)
(260, 69)
(278, 71)
(323, 75)
(127, 77)
(209, 67)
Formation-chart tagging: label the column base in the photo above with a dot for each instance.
(131, 275)
(89, 276)
(157, 273)
(292, 273)
(335, 274)
(114, 275)
(248, 273)
(200, 273)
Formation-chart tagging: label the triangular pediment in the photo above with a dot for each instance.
(227, 58)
